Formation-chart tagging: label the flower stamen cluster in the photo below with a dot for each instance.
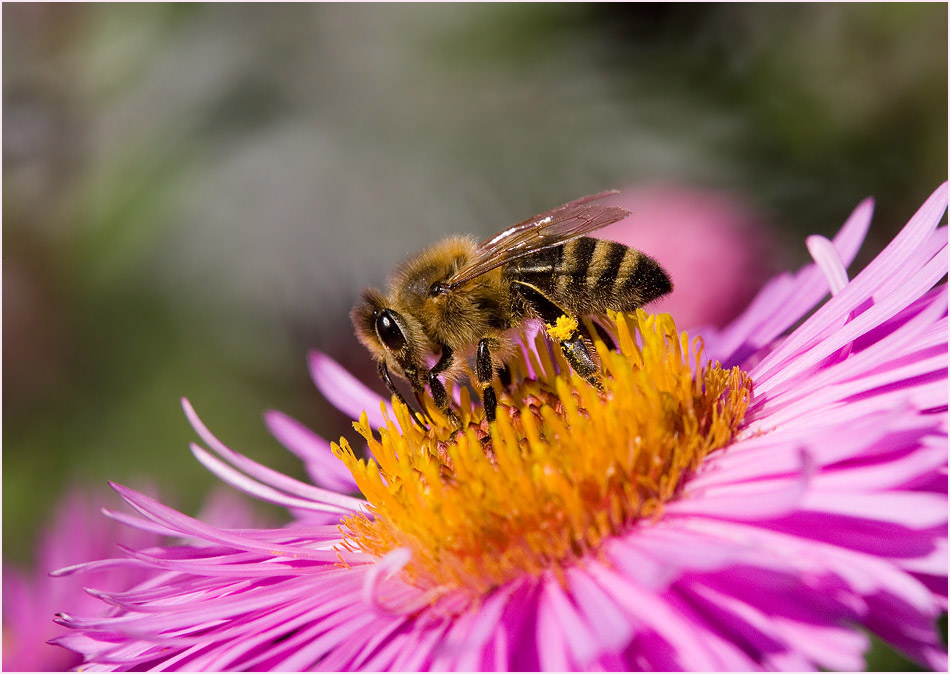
(564, 468)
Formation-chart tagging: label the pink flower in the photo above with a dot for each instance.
(77, 532)
(694, 518)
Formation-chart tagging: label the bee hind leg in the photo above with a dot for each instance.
(571, 339)
(581, 361)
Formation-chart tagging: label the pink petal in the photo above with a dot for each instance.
(312, 498)
(911, 509)
(785, 299)
(314, 451)
(828, 260)
(576, 632)
(183, 524)
(611, 628)
(346, 392)
(260, 491)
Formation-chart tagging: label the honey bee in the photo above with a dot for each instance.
(460, 299)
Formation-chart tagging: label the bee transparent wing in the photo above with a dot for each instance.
(545, 230)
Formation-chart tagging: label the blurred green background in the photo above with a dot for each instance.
(193, 194)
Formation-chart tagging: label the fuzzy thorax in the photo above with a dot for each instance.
(564, 468)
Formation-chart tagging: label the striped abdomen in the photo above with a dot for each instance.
(588, 276)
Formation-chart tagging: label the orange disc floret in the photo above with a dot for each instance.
(563, 468)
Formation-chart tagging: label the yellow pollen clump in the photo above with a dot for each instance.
(564, 328)
(564, 467)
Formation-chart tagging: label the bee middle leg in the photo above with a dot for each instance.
(484, 371)
(573, 346)
(439, 394)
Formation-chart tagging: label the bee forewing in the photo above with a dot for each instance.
(545, 230)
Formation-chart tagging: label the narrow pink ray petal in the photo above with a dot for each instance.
(302, 619)
(485, 624)
(308, 647)
(138, 522)
(241, 481)
(768, 375)
(912, 632)
(551, 640)
(611, 628)
(866, 574)
(749, 501)
(933, 564)
(582, 643)
(730, 631)
(884, 475)
(308, 492)
(881, 402)
(834, 647)
(164, 515)
(766, 456)
(98, 565)
(828, 260)
(229, 604)
(816, 648)
(346, 392)
(392, 598)
(823, 333)
(651, 612)
(782, 410)
(325, 469)
(658, 556)
(455, 643)
(785, 299)
(894, 257)
(918, 333)
(214, 567)
(924, 221)
(500, 654)
(422, 642)
(518, 642)
(368, 656)
(911, 509)
(351, 656)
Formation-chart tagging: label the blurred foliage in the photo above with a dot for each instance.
(193, 194)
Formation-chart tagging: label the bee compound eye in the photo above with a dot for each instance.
(389, 331)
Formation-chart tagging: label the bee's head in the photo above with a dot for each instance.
(389, 335)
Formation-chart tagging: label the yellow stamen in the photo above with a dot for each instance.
(564, 467)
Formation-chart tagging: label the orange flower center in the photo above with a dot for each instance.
(564, 467)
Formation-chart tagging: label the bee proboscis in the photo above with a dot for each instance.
(460, 299)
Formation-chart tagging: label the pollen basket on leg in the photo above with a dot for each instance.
(564, 468)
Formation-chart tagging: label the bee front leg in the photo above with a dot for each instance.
(570, 338)
(439, 395)
(384, 375)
